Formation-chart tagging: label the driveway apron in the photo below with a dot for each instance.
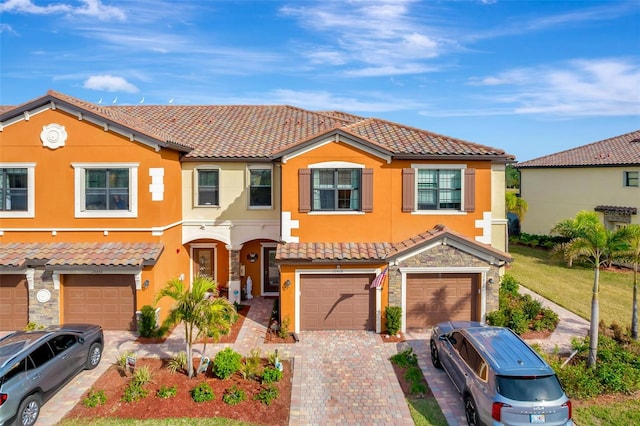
(345, 378)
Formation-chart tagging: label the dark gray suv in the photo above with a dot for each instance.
(35, 364)
(502, 380)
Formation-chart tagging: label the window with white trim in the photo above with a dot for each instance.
(335, 189)
(260, 187)
(631, 179)
(208, 187)
(438, 189)
(106, 189)
(17, 190)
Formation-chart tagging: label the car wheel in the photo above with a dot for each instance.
(29, 411)
(435, 358)
(471, 411)
(95, 354)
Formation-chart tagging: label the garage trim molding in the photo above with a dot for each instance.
(443, 270)
(300, 272)
(125, 271)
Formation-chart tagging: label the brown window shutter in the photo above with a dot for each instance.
(304, 190)
(408, 190)
(470, 190)
(367, 190)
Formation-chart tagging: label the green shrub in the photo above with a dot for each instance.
(497, 318)
(134, 392)
(251, 365)
(417, 388)
(509, 285)
(267, 395)
(178, 362)
(531, 307)
(94, 398)
(284, 328)
(142, 375)
(518, 321)
(234, 395)
(405, 359)
(226, 363)
(121, 361)
(413, 374)
(270, 375)
(33, 326)
(393, 319)
(147, 325)
(167, 392)
(202, 393)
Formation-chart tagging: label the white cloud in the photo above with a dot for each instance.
(7, 29)
(90, 8)
(605, 87)
(109, 83)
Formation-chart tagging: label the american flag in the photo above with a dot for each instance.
(377, 281)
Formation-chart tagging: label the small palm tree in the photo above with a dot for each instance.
(194, 309)
(516, 205)
(633, 254)
(594, 244)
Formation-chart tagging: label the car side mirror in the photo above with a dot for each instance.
(81, 339)
(442, 337)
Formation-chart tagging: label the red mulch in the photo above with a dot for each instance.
(387, 338)
(113, 383)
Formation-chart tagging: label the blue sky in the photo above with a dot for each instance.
(532, 78)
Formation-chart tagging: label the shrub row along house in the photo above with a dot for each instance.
(338, 215)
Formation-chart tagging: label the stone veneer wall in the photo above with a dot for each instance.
(444, 256)
(47, 313)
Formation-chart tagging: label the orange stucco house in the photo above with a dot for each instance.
(336, 216)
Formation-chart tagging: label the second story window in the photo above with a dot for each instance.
(439, 189)
(335, 189)
(208, 187)
(259, 187)
(14, 187)
(631, 179)
(107, 189)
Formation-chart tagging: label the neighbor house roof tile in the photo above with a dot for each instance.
(17, 255)
(618, 150)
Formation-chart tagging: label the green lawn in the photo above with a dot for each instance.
(571, 287)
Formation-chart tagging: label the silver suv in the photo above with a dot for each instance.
(35, 364)
(502, 380)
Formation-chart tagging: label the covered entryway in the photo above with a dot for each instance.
(14, 302)
(107, 300)
(336, 302)
(432, 298)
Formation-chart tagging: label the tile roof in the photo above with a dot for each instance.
(378, 251)
(617, 210)
(18, 255)
(261, 131)
(618, 150)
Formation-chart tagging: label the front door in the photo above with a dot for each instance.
(204, 262)
(270, 271)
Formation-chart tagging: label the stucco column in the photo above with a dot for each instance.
(234, 274)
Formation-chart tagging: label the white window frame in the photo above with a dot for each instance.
(196, 187)
(31, 186)
(79, 176)
(259, 167)
(460, 167)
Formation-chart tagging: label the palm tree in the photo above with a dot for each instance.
(633, 233)
(595, 244)
(195, 310)
(515, 205)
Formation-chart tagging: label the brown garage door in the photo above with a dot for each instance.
(336, 302)
(432, 298)
(14, 302)
(107, 300)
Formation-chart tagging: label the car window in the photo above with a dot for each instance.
(456, 340)
(41, 355)
(473, 359)
(19, 367)
(538, 388)
(62, 342)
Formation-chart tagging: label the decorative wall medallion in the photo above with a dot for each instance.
(43, 295)
(53, 136)
(252, 257)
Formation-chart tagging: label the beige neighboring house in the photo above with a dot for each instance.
(603, 176)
